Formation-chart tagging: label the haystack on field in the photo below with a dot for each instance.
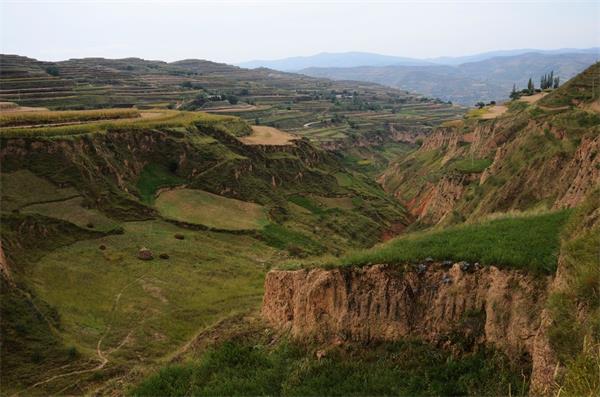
(263, 135)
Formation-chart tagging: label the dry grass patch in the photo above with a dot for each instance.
(494, 111)
(42, 118)
(263, 135)
(208, 209)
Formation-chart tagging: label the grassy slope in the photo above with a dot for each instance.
(147, 309)
(72, 210)
(208, 209)
(289, 369)
(528, 242)
(575, 305)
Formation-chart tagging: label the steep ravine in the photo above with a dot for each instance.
(486, 305)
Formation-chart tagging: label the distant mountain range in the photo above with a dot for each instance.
(469, 82)
(354, 59)
(327, 59)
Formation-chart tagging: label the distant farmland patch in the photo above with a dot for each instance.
(263, 135)
(208, 209)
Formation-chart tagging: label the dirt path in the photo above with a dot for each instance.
(311, 123)
(533, 98)
(247, 108)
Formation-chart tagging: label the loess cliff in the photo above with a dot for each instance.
(380, 302)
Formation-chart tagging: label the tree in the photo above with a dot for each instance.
(52, 70)
(480, 105)
(530, 86)
(556, 81)
(544, 82)
(514, 94)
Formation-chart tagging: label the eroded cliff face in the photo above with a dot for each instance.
(106, 166)
(384, 303)
(531, 162)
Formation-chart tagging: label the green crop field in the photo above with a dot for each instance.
(208, 209)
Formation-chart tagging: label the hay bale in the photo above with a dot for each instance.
(145, 254)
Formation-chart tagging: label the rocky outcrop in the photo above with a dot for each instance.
(387, 303)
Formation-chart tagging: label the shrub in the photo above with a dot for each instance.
(52, 70)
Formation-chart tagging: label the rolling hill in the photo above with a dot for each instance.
(467, 83)
(194, 228)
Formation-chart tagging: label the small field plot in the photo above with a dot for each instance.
(263, 135)
(208, 209)
(72, 211)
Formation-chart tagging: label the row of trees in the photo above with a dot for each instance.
(547, 81)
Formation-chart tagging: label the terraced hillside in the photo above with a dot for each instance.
(124, 238)
(322, 110)
(537, 155)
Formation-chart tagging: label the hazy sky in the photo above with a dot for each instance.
(233, 31)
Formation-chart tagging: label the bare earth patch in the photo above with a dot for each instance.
(263, 135)
(533, 98)
(494, 111)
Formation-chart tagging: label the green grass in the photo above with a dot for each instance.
(160, 304)
(307, 203)
(529, 243)
(470, 166)
(295, 242)
(208, 209)
(154, 177)
(575, 306)
(403, 368)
